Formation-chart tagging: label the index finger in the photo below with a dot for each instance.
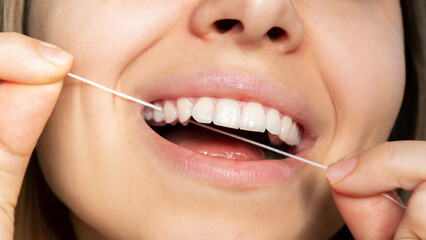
(30, 61)
(382, 168)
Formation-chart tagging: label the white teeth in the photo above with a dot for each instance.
(203, 110)
(158, 115)
(285, 128)
(227, 113)
(299, 137)
(292, 135)
(184, 107)
(253, 117)
(273, 122)
(298, 133)
(148, 113)
(170, 112)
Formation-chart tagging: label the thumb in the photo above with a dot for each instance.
(32, 73)
(358, 182)
(24, 110)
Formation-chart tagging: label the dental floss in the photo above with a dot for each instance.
(279, 152)
(259, 145)
(122, 95)
(115, 92)
(393, 200)
(198, 124)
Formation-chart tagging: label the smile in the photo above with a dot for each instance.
(229, 113)
(235, 107)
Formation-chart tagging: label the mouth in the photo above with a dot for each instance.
(249, 119)
(241, 109)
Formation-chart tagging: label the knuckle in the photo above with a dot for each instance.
(11, 41)
(11, 38)
(391, 165)
(22, 61)
(388, 150)
(11, 44)
(11, 35)
(7, 209)
(387, 155)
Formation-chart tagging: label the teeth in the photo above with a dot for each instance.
(273, 122)
(203, 110)
(184, 109)
(148, 113)
(253, 117)
(170, 112)
(285, 128)
(299, 137)
(292, 135)
(227, 113)
(158, 116)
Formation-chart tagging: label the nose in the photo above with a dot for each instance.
(254, 22)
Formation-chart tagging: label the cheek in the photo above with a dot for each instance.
(78, 149)
(362, 65)
(104, 36)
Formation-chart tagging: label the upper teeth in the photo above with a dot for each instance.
(250, 116)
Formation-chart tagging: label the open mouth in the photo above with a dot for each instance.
(237, 104)
(251, 120)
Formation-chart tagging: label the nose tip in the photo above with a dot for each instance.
(249, 22)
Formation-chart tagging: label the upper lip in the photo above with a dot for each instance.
(224, 84)
(244, 87)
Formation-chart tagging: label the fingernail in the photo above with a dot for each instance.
(341, 169)
(55, 55)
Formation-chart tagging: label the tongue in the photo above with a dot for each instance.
(213, 144)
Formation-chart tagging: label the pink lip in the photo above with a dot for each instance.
(223, 172)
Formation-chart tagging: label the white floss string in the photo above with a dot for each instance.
(115, 92)
(125, 96)
(198, 124)
(259, 145)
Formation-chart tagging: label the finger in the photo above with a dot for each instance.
(24, 111)
(413, 225)
(29, 61)
(373, 217)
(23, 115)
(382, 168)
(32, 72)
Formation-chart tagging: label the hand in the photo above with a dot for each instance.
(32, 74)
(382, 168)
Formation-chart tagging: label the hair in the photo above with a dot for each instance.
(39, 211)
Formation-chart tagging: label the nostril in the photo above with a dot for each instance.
(225, 25)
(276, 33)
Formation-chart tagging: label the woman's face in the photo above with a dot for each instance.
(337, 70)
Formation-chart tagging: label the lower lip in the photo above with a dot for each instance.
(223, 172)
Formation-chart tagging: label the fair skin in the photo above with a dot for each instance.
(343, 59)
